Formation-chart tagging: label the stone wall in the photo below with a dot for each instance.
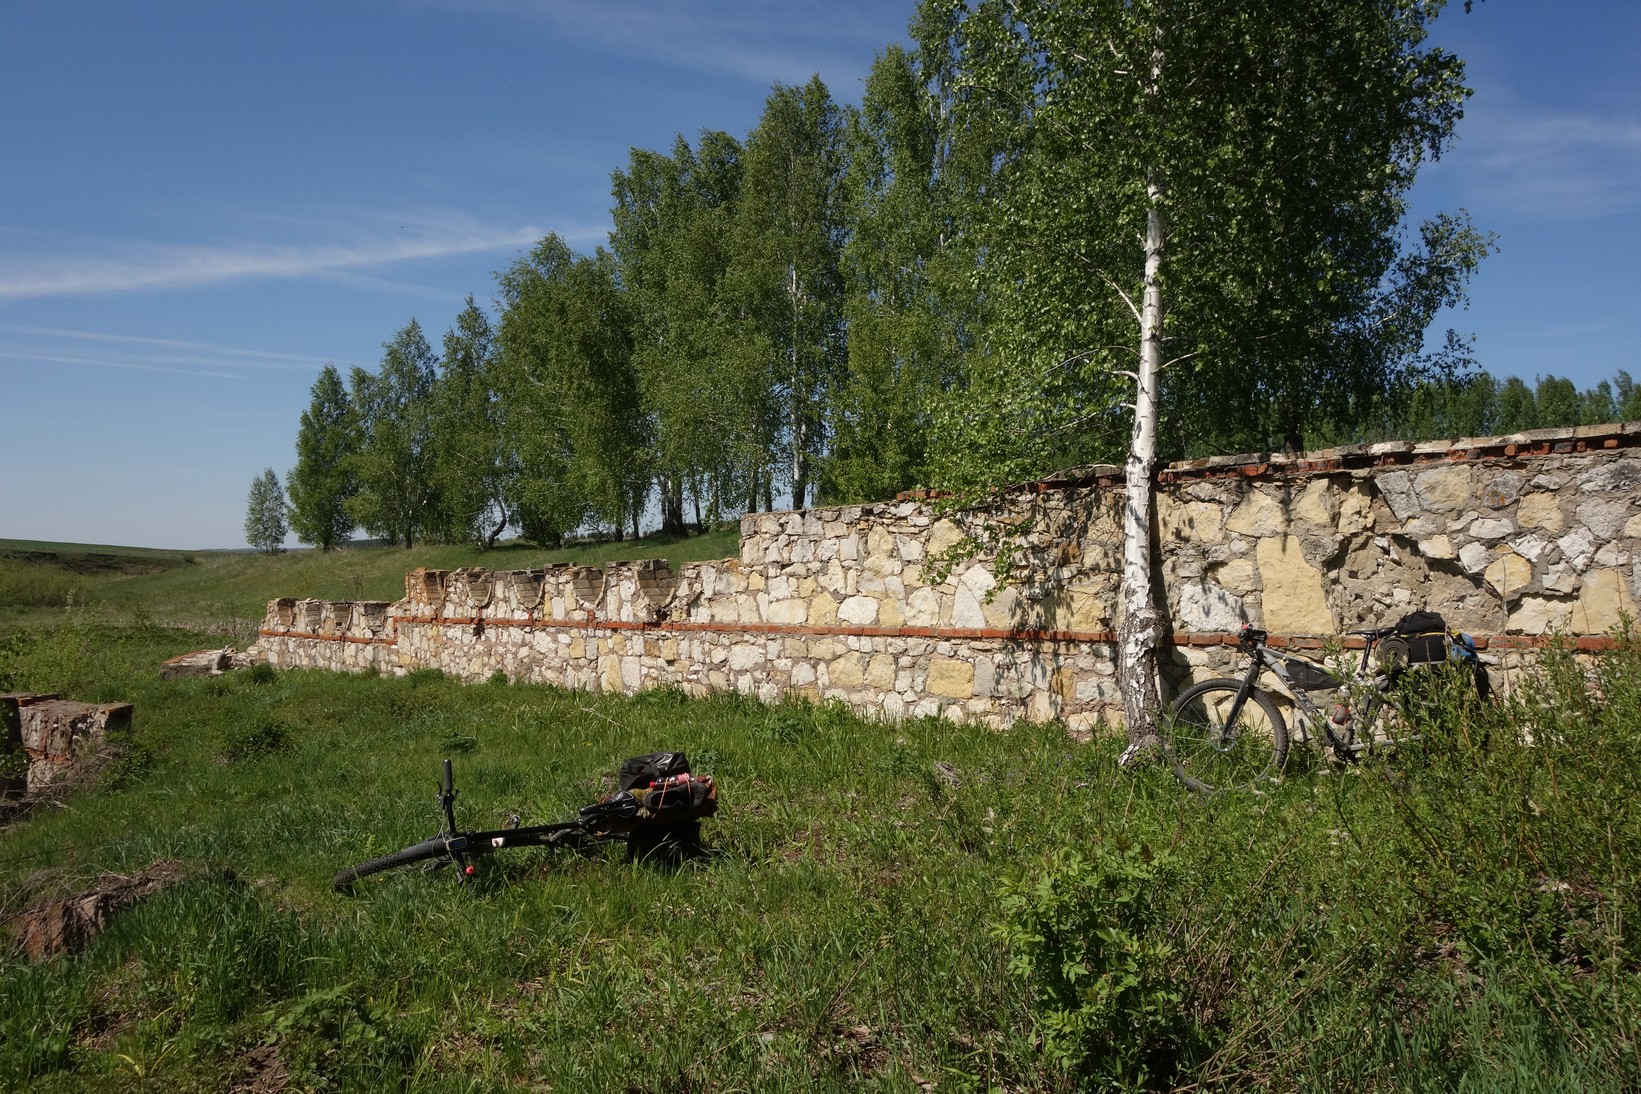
(49, 735)
(1513, 539)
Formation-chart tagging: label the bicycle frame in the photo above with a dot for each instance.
(1365, 690)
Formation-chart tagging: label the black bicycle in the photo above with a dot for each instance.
(1225, 734)
(659, 805)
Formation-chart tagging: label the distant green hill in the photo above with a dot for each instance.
(227, 590)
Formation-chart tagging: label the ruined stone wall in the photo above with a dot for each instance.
(1512, 539)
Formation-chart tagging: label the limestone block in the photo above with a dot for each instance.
(880, 672)
(1491, 529)
(1632, 528)
(846, 671)
(609, 675)
(1003, 611)
(1090, 611)
(1396, 487)
(1447, 489)
(1602, 603)
(943, 536)
(1509, 573)
(803, 674)
(1540, 615)
(889, 614)
(1501, 489)
(823, 610)
(952, 679)
(1611, 555)
(1206, 606)
(1606, 517)
(1260, 514)
(985, 676)
(1355, 511)
(1541, 511)
(788, 612)
(744, 656)
(1475, 557)
(966, 609)
(1578, 547)
(1236, 575)
(1293, 598)
(923, 608)
(1437, 547)
(860, 610)
(1621, 475)
(826, 649)
(1317, 503)
(1190, 521)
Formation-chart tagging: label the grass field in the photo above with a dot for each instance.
(884, 907)
(226, 592)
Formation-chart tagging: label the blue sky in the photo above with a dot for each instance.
(201, 203)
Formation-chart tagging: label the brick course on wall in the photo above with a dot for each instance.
(1513, 539)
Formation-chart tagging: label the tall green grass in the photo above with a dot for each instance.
(887, 907)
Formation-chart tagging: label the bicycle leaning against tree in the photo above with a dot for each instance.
(1228, 733)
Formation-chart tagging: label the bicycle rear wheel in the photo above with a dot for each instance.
(432, 848)
(1207, 753)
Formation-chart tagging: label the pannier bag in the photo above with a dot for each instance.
(1425, 635)
(656, 789)
(1422, 638)
(1304, 676)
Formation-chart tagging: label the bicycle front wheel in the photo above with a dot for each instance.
(1210, 752)
(427, 849)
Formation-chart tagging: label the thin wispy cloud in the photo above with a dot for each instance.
(756, 40)
(167, 343)
(1553, 167)
(157, 267)
(112, 362)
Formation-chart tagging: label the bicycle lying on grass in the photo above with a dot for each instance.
(659, 805)
(1224, 734)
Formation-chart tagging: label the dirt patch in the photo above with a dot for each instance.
(95, 563)
(69, 924)
(263, 1072)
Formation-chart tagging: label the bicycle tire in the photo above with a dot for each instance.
(1206, 756)
(427, 849)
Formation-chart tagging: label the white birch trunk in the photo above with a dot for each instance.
(1138, 636)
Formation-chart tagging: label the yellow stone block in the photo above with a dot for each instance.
(846, 671)
(823, 610)
(1603, 602)
(1293, 595)
(880, 672)
(1508, 573)
(951, 679)
(1542, 511)
(889, 614)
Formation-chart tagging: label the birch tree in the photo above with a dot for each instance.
(1199, 220)
(785, 271)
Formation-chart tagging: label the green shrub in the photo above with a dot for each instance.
(256, 738)
(1090, 935)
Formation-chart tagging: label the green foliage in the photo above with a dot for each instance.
(256, 738)
(1090, 936)
(785, 273)
(470, 461)
(323, 479)
(265, 514)
(571, 401)
(57, 657)
(392, 464)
